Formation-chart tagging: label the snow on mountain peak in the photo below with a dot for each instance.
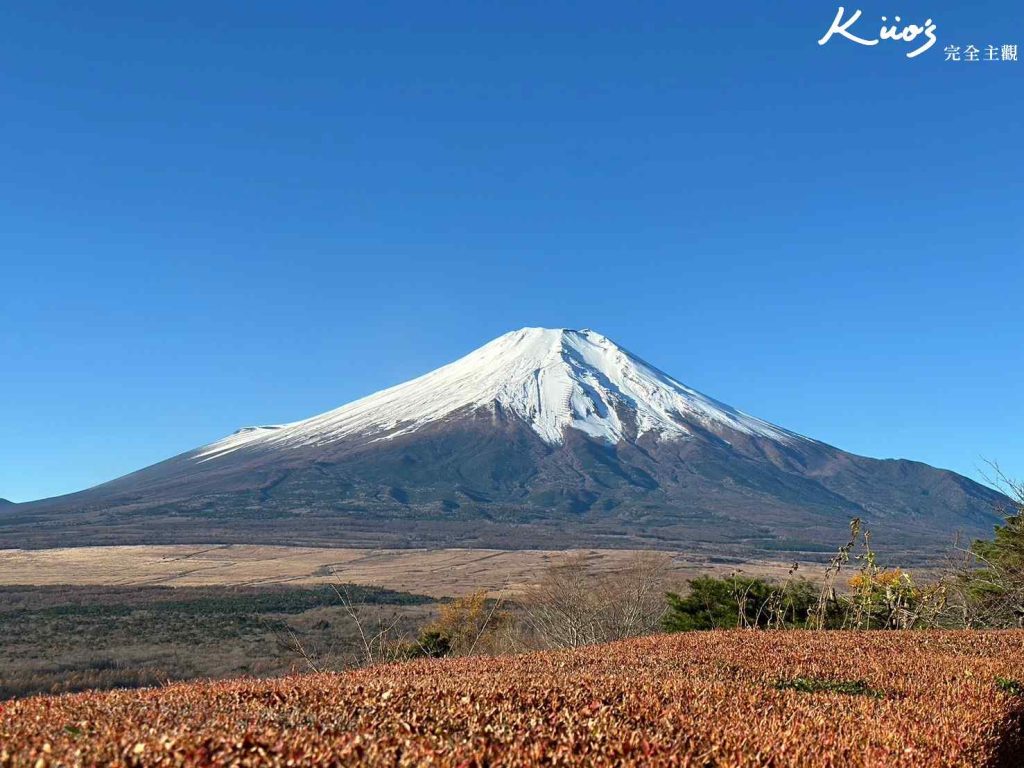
(552, 379)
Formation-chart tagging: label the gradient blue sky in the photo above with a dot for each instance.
(219, 214)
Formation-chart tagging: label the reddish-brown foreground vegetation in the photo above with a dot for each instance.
(696, 699)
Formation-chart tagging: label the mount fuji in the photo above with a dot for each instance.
(540, 439)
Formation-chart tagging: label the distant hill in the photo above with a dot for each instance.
(540, 439)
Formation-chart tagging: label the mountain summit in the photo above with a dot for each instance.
(541, 438)
(550, 379)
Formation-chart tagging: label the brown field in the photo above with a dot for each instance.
(698, 699)
(440, 573)
(107, 617)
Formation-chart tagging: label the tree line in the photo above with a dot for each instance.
(573, 604)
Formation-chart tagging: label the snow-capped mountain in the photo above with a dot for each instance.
(551, 379)
(541, 438)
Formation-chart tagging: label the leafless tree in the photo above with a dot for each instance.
(573, 605)
(828, 597)
(378, 643)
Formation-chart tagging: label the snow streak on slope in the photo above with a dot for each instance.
(551, 379)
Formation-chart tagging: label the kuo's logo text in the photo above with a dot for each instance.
(909, 33)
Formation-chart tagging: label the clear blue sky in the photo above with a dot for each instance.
(219, 214)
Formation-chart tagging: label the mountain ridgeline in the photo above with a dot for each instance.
(540, 439)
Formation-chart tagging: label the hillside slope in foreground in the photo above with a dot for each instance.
(718, 698)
